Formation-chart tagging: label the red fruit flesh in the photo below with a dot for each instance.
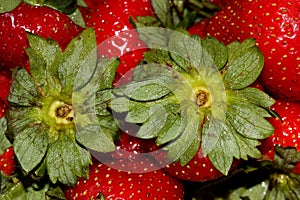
(43, 21)
(276, 27)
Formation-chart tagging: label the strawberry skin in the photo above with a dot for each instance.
(112, 18)
(275, 26)
(7, 161)
(198, 169)
(287, 128)
(5, 82)
(114, 184)
(43, 21)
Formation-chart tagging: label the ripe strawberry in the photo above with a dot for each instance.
(198, 169)
(114, 184)
(7, 161)
(286, 132)
(3, 108)
(287, 127)
(43, 21)
(112, 19)
(275, 26)
(5, 82)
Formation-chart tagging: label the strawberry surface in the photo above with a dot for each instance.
(114, 184)
(7, 161)
(43, 21)
(275, 26)
(115, 34)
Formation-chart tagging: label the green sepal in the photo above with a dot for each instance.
(256, 97)
(7, 6)
(186, 51)
(30, 147)
(44, 56)
(245, 119)
(286, 158)
(65, 161)
(80, 53)
(4, 142)
(161, 9)
(77, 18)
(244, 65)
(215, 51)
(67, 6)
(189, 138)
(23, 89)
(136, 90)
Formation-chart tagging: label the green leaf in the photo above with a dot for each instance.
(246, 122)
(245, 69)
(237, 49)
(44, 56)
(190, 136)
(156, 121)
(66, 6)
(77, 18)
(21, 118)
(162, 8)
(96, 137)
(215, 52)
(256, 97)
(7, 6)
(4, 142)
(79, 54)
(185, 51)
(23, 90)
(31, 146)
(107, 69)
(257, 192)
(146, 90)
(213, 131)
(15, 191)
(247, 147)
(64, 161)
(219, 154)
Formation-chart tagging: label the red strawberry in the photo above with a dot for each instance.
(112, 18)
(3, 107)
(131, 154)
(7, 161)
(43, 21)
(198, 169)
(287, 129)
(275, 26)
(114, 184)
(5, 82)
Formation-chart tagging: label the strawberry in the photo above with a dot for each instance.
(7, 161)
(43, 21)
(275, 26)
(114, 184)
(111, 21)
(174, 105)
(199, 169)
(287, 125)
(3, 107)
(5, 82)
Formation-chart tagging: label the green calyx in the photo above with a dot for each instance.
(51, 108)
(191, 93)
